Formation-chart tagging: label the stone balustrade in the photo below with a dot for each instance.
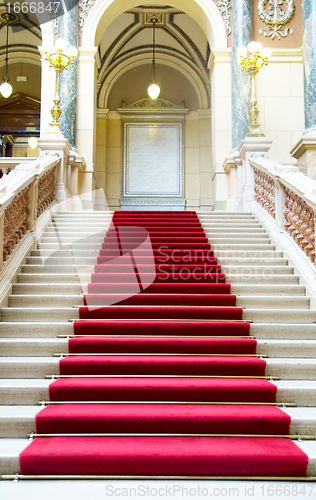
(289, 196)
(26, 192)
(265, 191)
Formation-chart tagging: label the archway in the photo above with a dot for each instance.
(204, 12)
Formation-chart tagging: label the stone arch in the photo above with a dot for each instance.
(204, 12)
(167, 60)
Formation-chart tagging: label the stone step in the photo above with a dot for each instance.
(30, 391)
(43, 346)
(66, 252)
(232, 216)
(233, 269)
(83, 261)
(19, 421)
(14, 329)
(67, 313)
(245, 247)
(61, 240)
(37, 367)
(46, 289)
(246, 289)
(9, 465)
(248, 261)
(262, 279)
(232, 235)
(21, 329)
(231, 226)
(262, 302)
(236, 230)
(264, 254)
(265, 270)
(259, 290)
(265, 242)
(240, 278)
(78, 245)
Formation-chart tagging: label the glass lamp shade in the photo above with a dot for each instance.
(72, 52)
(60, 44)
(266, 52)
(241, 52)
(6, 89)
(32, 142)
(153, 91)
(254, 47)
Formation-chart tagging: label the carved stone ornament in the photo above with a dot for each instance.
(84, 7)
(275, 17)
(149, 103)
(265, 192)
(300, 223)
(46, 190)
(224, 8)
(15, 221)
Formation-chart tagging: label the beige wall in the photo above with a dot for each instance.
(197, 158)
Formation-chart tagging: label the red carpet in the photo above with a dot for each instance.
(158, 332)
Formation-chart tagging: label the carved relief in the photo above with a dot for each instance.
(46, 190)
(224, 8)
(275, 17)
(15, 221)
(300, 223)
(265, 192)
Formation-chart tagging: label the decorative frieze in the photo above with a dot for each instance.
(265, 191)
(46, 190)
(15, 221)
(279, 13)
(300, 223)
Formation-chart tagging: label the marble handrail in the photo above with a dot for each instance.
(289, 196)
(25, 193)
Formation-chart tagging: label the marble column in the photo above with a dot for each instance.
(241, 35)
(68, 29)
(309, 52)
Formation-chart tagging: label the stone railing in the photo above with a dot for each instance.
(290, 198)
(8, 164)
(25, 193)
(265, 191)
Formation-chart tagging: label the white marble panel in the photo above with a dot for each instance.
(153, 159)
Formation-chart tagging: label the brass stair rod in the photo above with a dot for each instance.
(64, 354)
(263, 377)
(294, 437)
(247, 403)
(18, 477)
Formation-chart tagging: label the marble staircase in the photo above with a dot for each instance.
(48, 291)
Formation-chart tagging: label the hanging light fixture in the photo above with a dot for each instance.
(153, 89)
(5, 87)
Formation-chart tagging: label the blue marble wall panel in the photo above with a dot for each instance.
(241, 24)
(309, 52)
(68, 29)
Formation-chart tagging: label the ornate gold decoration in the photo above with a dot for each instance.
(276, 18)
(252, 60)
(265, 192)
(46, 190)
(60, 62)
(157, 17)
(300, 223)
(15, 221)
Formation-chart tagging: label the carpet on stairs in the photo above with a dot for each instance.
(162, 367)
